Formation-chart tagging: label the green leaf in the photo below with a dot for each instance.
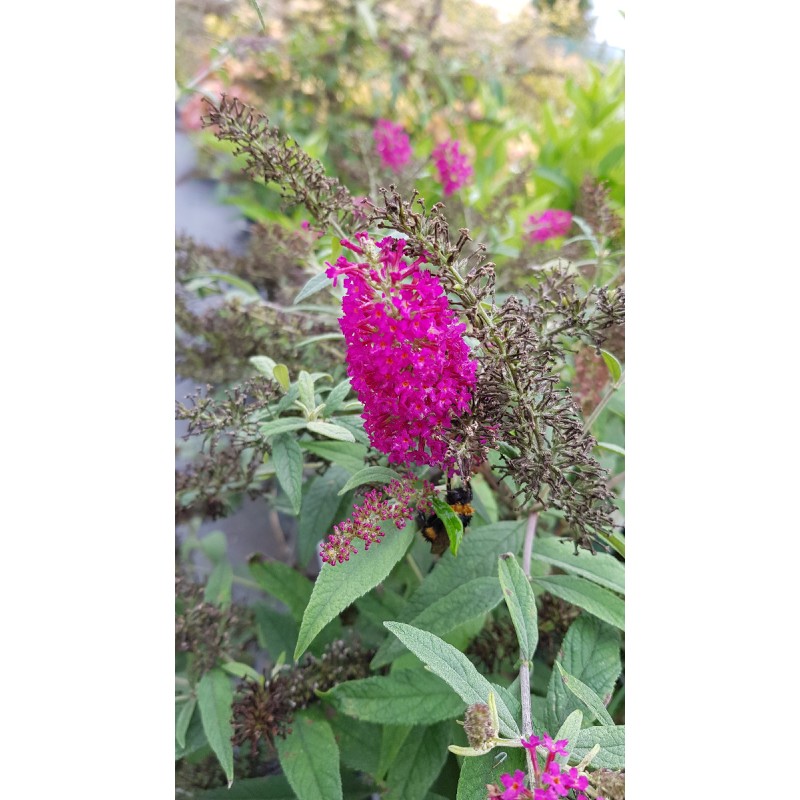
(332, 431)
(462, 603)
(278, 426)
(612, 746)
(313, 285)
(281, 581)
(263, 364)
(336, 396)
(359, 743)
(349, 455)
(590, 652)
(319, 507)
(452, 523)
(476, 559)
(418, 762)
(305, 389)
(239, 670)
(277, 633)
(322, 337)
(612, 448)
(309, 758)
(406, 697)
(394, 736)
(569, 731)
(214, 546)
(183, 720)
(519, 598)
(218, 587)
(257, 9)
(281, 374)
(595, 599)
(288, 459)
(273, 787)
(454, 668)
(338, 586)
(586, 695)
(614, 367)
(356, 426)
(601, 568)
(235, 281)
(370, 475)
(195, 737)
(478, 771)
(214, 698)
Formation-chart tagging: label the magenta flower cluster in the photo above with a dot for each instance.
(392, 144)
(398, 501)
(548, 224)
(552, 782)
(406, 355)
(453, 168)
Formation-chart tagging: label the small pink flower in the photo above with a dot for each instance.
(556, 779)
(556, 748)
(532, 742)
(545, 794)
(514, 785)
(549, 224)
(392, 144)
(453, 168)
(574, 780)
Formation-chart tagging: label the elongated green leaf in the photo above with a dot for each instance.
(282, 582)
(309, 758)
(283, 425)
(359, 743)
(338, 586)
(235, 281)
(305, 390)
(601, 568)
(614, 367)
(263, 364)
(349, 455)
(336, 396)
(288, 459)
(240, 670)
(214, 699)
(322, 337)
(332, 431)
(370, 475)
(590, 652)
(595, 599)
(195, 738)
(277, 633)
(612, 448)
(612, 746)
(183, 720)
(218, 587)
(281, 374)
(477, 558)
(313, 285)
(407, 697)
(394, 736)
(569, 731)
(519, 598)
(478, 771)
(355, 425)
(418, 762)
(587, 696)
(452, 522)
(454, 668)
(463, 603)
(319, 507)
(273, 787)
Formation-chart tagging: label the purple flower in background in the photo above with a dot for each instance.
(453, 167)
(392, 144)
(547, 224)
(406, 355)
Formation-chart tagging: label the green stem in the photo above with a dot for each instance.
(414, 567)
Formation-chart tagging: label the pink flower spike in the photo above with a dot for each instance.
(453, 168)
(392, 144)
(514, 785)
(574, 780)
(548, 224)
(544, 794)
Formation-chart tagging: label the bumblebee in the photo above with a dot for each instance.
(432, 528)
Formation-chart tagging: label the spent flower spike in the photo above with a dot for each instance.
(453, 168)
(392, 144)
(548, 224)
(406, 355)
